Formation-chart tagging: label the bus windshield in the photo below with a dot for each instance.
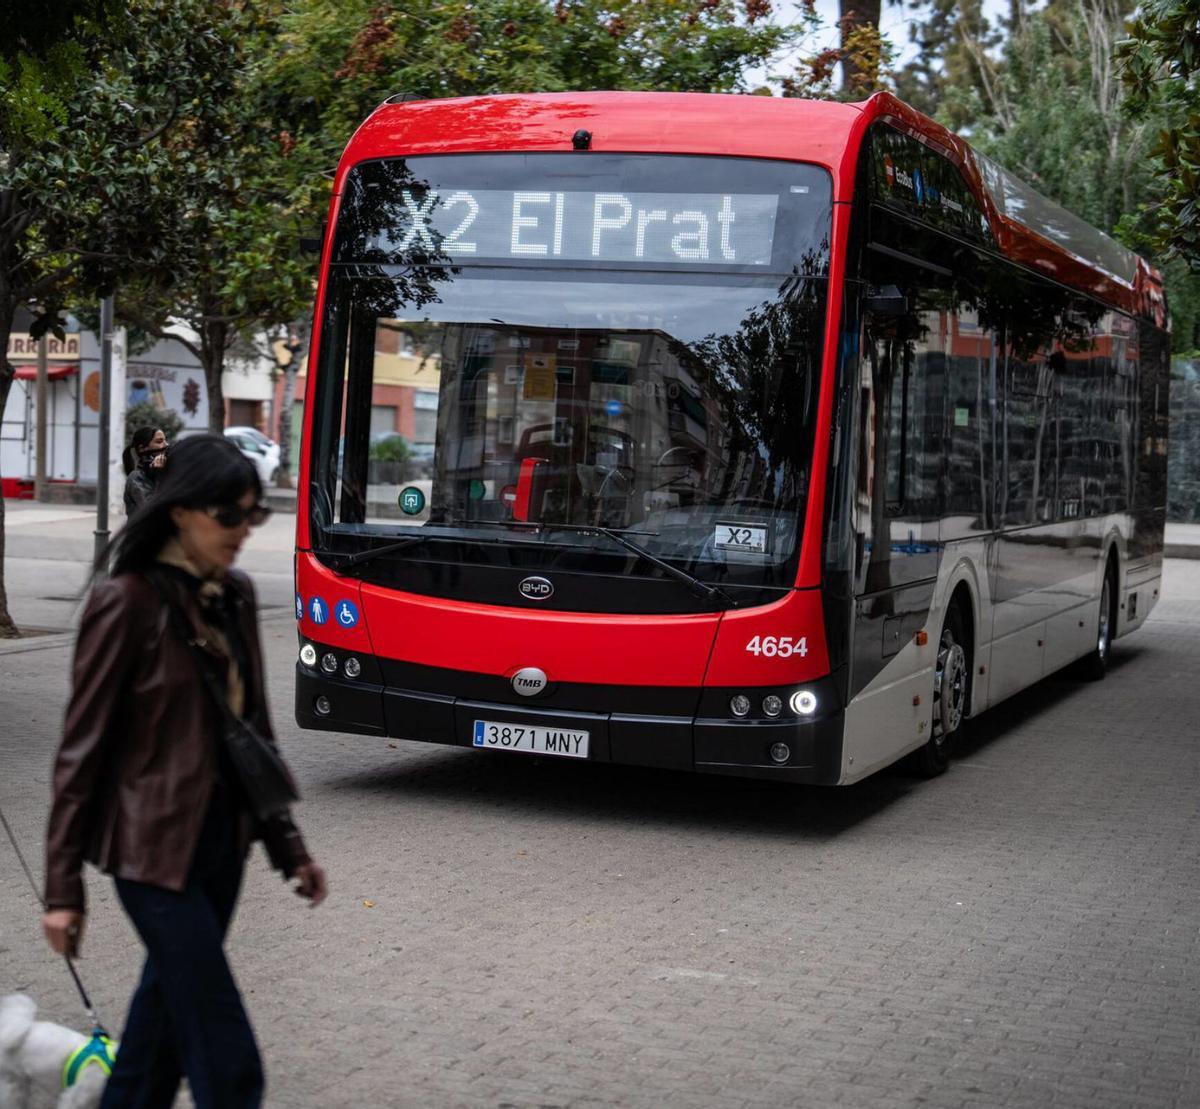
(526, 349)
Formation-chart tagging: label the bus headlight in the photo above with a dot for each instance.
(308, 655)
(804, 702)
(329, 663)
(352, 667)
(772, 705)
(739, 704)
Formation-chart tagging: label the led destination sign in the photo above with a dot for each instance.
(627, 227)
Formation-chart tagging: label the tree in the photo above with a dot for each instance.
(43, 54)
(864, 54)
(238, 214)
(42, 59)
(858, 23)
(78, 216)
(1162, 63)
(953, 42)
(338, 59)
(294, 345)
(1054, 110)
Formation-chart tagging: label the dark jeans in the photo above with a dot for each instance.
(186, 1016)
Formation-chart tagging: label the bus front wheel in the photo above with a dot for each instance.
(951, 686)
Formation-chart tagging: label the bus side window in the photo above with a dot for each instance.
(968, 422)
(1036, 318)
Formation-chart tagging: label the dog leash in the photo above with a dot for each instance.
(98, 1028)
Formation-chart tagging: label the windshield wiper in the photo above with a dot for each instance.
(697, 587)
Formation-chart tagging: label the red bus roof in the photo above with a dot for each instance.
(1028, 228)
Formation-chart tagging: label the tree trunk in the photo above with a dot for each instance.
(214, 338)
(853, 16)
(8, 629)
(284, 478)
(299, 349)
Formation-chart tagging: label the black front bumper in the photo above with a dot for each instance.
(678, 729)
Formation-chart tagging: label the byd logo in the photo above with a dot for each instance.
(536, 589)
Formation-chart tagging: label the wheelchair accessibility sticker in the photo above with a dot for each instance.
(346, 614)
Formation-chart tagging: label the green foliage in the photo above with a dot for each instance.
(336, 60)
(391, 448)
(953, 43)
(1183, 298)
(1053, 109)
(107, 207)
(864, 54)
(1162, 67)
(45, 51)
(1053, 115)
(225, 202)
(149, 415)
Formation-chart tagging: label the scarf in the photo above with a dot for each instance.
(210, 595)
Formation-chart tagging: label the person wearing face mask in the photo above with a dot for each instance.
(143, 460)
(152, 786)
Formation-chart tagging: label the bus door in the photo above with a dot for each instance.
(902, 381)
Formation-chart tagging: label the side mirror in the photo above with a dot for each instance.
(888, 301)
(313, 244)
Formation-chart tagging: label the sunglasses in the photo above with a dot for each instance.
(233, 515)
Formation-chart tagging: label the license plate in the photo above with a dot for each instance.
(535, 739)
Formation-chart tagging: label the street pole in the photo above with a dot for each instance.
(42, 393)
(102, 468)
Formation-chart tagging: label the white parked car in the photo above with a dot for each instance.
(260, 449)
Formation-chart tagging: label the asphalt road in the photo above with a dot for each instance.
(511, 932)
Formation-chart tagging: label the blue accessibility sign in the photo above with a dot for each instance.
(346, 613)
(318, 610)
(299, 608)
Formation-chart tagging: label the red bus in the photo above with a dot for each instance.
(733, 434)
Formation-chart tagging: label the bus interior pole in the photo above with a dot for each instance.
(102, 463)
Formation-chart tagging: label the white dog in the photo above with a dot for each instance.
(33, 1061)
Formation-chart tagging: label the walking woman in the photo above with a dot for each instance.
(143, 461)
(151, 788)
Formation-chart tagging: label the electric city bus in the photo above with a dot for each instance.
(742, 435)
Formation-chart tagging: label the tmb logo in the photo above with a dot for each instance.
(529, 682)
(536, 589)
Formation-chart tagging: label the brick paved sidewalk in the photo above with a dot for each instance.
(1021, 932)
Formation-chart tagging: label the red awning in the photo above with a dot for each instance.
(56, 371)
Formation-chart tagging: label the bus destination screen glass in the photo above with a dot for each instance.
(519, 348)
(624, 228)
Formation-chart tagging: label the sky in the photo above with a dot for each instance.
(894, 22)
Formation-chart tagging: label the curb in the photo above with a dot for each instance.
(1181, 550)
(281, 500)
(36, 643)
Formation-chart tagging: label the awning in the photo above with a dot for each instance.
(55, 371)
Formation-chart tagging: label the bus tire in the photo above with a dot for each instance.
(1094, 665)
(951, 695)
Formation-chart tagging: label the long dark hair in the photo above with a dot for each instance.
(140, 439)
(201, 470)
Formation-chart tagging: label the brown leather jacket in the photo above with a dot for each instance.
(138, 759)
